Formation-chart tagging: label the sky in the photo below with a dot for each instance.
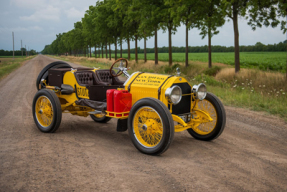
(36, 23)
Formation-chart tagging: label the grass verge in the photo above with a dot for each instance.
(251, 88)
(8, 65)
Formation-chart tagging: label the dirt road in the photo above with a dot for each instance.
(250, 155)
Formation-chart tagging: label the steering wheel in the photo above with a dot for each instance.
(120, 68)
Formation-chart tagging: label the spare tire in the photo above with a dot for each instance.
(44, 73)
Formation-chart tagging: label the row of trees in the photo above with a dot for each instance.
(117, 21)
(258, 47)
(17, 52)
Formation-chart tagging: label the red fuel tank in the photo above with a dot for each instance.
(122, 101)
(110, 99)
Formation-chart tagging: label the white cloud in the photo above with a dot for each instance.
(74, 13)
(30, 4)
(49, 13)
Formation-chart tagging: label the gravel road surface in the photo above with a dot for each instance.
(250, 155)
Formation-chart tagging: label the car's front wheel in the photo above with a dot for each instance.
(150, 126)
(210, 130)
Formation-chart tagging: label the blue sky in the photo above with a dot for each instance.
(37, 22)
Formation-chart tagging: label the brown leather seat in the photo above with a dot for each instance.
(105, 76)
(85, 77)
(101, 77)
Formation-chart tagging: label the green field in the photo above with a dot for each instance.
(275, 61)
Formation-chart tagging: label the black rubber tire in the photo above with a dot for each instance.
(44, 73)
(168, 125)
(221, 120)
(104, 119)
(57, 115)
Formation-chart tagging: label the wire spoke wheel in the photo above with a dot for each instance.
(210, 130)
(208, 127)
(148, 127)
(47, 112)
(44, 111)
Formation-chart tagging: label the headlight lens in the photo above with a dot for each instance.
(173, 94)
(199, 91)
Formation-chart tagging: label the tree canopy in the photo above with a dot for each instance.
(114, 21)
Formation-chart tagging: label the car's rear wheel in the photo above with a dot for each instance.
(100, 118)
(44, 73)
(47, 112)
(210, 130)
(150, 126)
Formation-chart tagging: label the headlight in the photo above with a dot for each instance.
(173, 94)
(199, 91)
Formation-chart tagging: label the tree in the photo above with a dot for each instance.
(167, 23)
(150, 18)
(258, 11)
(212, 17)
(103, 31)
(282, 11)
(184, 11)
(131, 18)
(89, 28)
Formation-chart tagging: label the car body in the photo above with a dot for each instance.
(151, 106)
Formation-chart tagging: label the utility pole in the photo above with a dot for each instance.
(13, 44)
(21, 48)
(26, 50)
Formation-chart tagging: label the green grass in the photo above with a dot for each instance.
(8, 65)
(241, 96)
(275, 61)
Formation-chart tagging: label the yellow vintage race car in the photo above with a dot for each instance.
(150, 106)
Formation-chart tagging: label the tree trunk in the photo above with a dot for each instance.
(136, 48)
(106, 50)
(85, 52)
(129, 49)
(236, 38)
(186, 44)
(209, 47)
(116, 53)
(169, 47)
(121, 49)
(155, 47)
(95, 51)
(145, 59)
(102, 51)
(110, 51)
(90, 52)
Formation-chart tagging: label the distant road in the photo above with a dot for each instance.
(250, 155)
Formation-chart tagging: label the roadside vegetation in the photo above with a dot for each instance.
(250, 88)
(7, 64)
(267, 61)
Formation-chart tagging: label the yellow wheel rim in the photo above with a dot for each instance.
(206, 128)
(147, 127)
(44, 111)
